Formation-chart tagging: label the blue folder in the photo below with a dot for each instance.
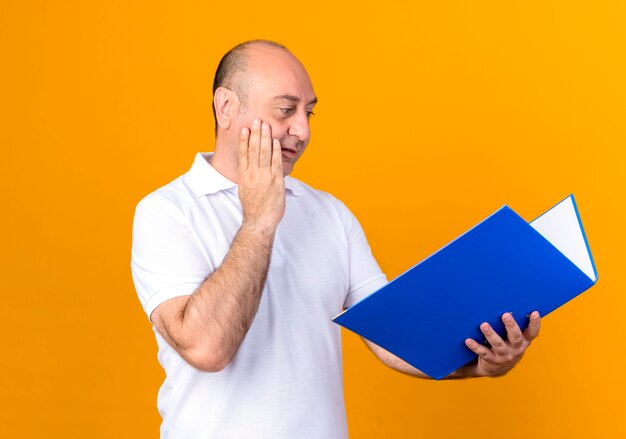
(503, 264)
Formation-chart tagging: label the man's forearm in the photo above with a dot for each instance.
(493, 361)
(393, 361)
(218, 315)
(398, 364)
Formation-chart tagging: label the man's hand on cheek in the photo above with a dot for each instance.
(261, 182)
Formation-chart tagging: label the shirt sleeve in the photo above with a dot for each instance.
(166, 262)
(365, 274)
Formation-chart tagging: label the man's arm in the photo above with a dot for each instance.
(207, 327)
(394, 362)
(495, 361)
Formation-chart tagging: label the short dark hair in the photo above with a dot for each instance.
(231, 71)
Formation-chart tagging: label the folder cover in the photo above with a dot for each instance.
(503, 264)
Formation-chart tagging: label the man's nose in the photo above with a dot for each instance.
(299, 127)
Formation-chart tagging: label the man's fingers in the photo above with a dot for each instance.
(265, 151)
(253, 143)
(277, 158)
(514, 333)
(477, 348)
(533, 327)
(243, 149)
(496, 342)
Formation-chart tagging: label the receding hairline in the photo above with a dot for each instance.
(234, 66)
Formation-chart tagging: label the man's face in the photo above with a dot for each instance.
(280, 93)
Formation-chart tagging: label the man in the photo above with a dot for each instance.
(240, 268)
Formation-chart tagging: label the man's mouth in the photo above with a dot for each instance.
(289, 152)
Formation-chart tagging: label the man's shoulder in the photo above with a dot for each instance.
(298, 187)
(320, 197)
(170, 195)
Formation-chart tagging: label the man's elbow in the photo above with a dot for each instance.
(207, 360)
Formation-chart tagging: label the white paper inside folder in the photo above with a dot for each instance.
(563, 228)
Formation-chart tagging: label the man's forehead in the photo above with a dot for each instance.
(263, 51)
(279, 73)
(294, 99)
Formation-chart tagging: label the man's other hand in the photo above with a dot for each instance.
(503, 355)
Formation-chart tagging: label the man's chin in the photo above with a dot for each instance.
(286, 171)
(287, 167)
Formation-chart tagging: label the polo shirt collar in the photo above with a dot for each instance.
(293, 185)
(203, 179)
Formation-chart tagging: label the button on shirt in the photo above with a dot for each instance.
(286, 379)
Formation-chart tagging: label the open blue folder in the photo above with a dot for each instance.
(503, 264)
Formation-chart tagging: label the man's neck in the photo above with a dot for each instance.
(225, 164)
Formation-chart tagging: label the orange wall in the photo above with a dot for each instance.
(431, 116)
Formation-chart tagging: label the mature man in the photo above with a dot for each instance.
(240, 268)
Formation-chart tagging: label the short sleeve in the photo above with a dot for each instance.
(166, 262)
(365, 274)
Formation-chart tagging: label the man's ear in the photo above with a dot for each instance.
(225, 102)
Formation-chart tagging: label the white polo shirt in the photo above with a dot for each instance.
(286, 379)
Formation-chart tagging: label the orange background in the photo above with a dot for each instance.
(431, 116)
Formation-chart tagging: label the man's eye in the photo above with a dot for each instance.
(309, 114)
(287, 110)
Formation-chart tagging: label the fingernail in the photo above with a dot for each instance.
(256, 123)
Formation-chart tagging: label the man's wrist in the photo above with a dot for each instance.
(257, 233)
(470, 370)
